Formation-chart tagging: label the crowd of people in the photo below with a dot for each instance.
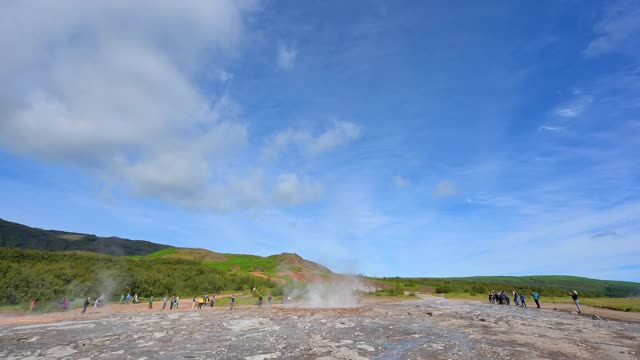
(519, 299)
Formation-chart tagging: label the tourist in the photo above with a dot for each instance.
(574, 296)
(200, 302)
(128, 298)
(233, 301)
(212, 300)
(33, 305)
(522, 302)
(135, 298)
(164, 302)
(122, 298)
(193, 303)
(151, 302)
(87, 301)
(173, 301)
(260, 301)
(177, 301)
(536, 298)
(271, 298)
(516, 300)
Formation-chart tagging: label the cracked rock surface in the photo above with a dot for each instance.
(430, 328)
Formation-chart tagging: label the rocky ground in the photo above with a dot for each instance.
(430, 328)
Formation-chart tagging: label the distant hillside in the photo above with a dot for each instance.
(14, 235)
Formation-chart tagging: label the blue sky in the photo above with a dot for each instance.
(426, 138)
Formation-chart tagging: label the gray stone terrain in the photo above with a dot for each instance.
(430, 328)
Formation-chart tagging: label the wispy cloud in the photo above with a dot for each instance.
(551, 128)
(617, 31)
(575, 107)
(400, 182)
(447, 188)
(290, 190)
(342, 132)
(286, 57)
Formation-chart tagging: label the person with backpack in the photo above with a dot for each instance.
(536, 298)
(522, 302)
(233, 301)
(576, 300)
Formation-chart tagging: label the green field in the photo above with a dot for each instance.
(554, 285)
(621, 304)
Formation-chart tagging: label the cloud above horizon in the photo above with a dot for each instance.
(124, 103)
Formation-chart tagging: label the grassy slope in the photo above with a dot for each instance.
(245, 263)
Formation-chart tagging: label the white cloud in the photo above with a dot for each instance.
(342, 132)
(400, 182)
(574, 108)
(446, 188)
(617, 31)
(290, 190)
(77, 87)
(286, 56)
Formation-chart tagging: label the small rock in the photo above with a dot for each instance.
(481, 319)
(555, 309)
(430, 313)
(596, 317)
(409, 313)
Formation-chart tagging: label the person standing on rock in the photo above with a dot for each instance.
(212, 300)
(164, 302)
(575, 297)
(536, 298)
(122, 299)
(522, 302)
(233, 301)
(128, 298)
(173, 300)
(516, 300)
(151, 302)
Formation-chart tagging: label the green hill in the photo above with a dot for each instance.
(246, 263)
(14, 235)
